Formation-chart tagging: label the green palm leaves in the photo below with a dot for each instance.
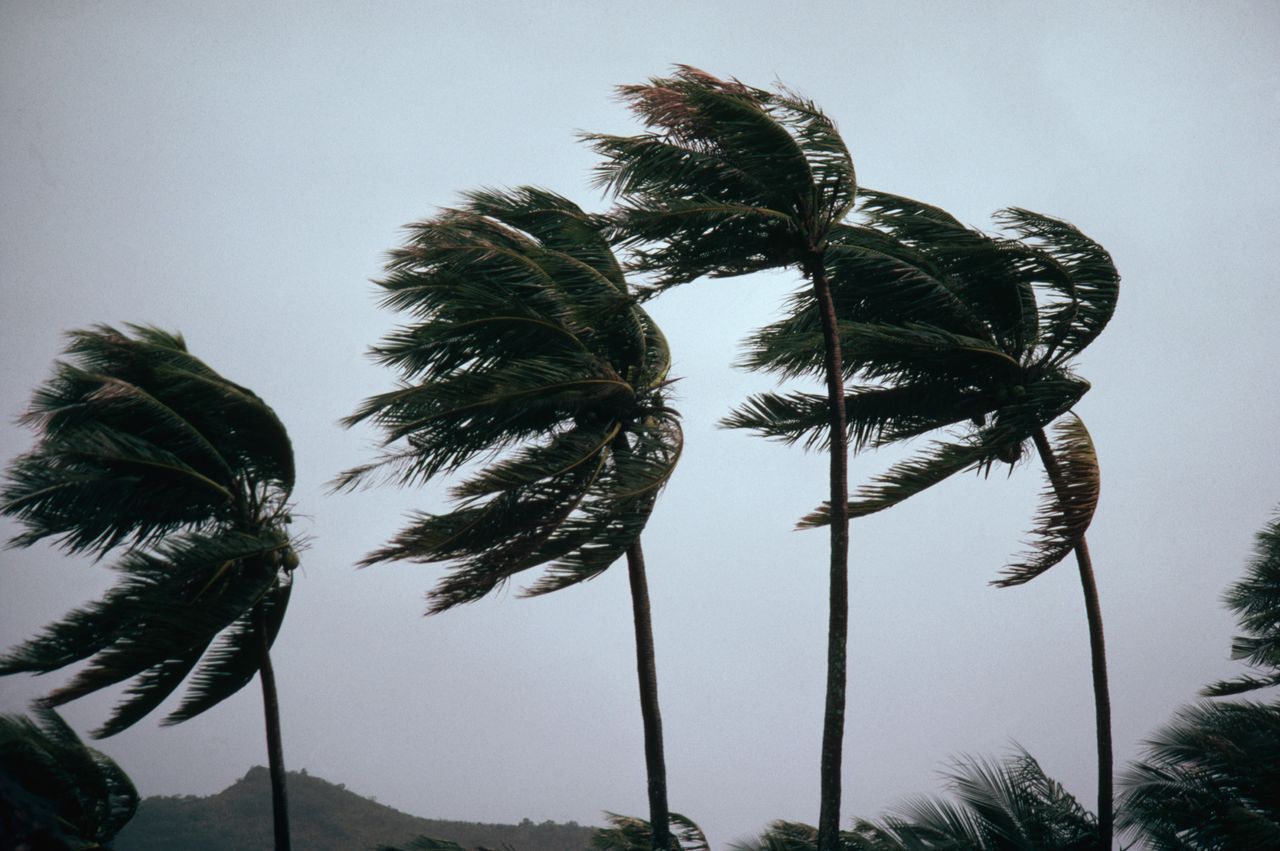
(947, 328)
(525, 341)
(1256, 601)
(1208, 780)
(143, 446)
(54, 789)
(732, 179)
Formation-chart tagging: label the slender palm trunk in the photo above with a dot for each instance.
(838, 623)
(275, 747)
(1098, 654)
(647, 671)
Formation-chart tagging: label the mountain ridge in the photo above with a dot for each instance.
(324, 816)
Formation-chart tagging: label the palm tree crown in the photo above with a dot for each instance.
(944, 326)
(141, 445)
(525, 341)
(732, 179)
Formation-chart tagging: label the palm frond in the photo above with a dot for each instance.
(1066, 510)
(1077, 272)
(235, 657)
(1207, 780)
(56, 787)
(156, 622)
(1255, 599)
(628, 833)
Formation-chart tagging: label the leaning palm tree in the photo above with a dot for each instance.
(526, 345)
(947, 328)
(144, 448)
(1209, 780)
(56, 792)
(731, 180)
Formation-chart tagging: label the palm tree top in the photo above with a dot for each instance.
(946, 328)
(138, 438)
(731, 179)
(525, 351)
(142, 445)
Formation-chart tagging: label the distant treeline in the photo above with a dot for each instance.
(325, 817)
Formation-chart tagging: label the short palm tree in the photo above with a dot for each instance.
(945, 327)
(1209, 780)
(1256, 601)
(143, 447)
(734, 179)
(527, 346)
(55, 792)
(1007, 806)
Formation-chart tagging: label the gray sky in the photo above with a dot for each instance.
(237, 170)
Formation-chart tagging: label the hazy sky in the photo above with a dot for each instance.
(237, 171)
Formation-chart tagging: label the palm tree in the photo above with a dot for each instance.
(1007, 806)
(731, 180)
(525, 341)
(143, 447)
(627, 833)
(1209, 781)
(55, 792)
(948, 328)
(1256, 601)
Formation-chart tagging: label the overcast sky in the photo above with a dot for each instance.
(236, 171)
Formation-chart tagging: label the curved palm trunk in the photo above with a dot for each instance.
(647, 671)
(275, 747)
(1098, 653)
(838, 623)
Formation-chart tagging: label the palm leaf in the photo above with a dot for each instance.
(1255, 599)
(1066, 510)
(628, 833)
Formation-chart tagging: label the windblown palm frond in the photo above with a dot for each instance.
(731, 179)
(525, 341)
(628, 833)
(796, 836)
(1007, 806)
(1256, 601)
(143, 445)
(54, 789)
(1210, 779)
(949, 329)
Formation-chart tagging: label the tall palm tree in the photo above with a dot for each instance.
(947, 328)
(143, 447)
(55, 792)
(734, 179)
(1209, 780)
(526, 342)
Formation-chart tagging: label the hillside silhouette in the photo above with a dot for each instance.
(325, 817)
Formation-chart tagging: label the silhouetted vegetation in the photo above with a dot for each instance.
(529, 363)
(324, 816)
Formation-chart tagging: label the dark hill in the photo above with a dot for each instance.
(324, 817)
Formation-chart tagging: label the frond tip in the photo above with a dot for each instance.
(1067, 503)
